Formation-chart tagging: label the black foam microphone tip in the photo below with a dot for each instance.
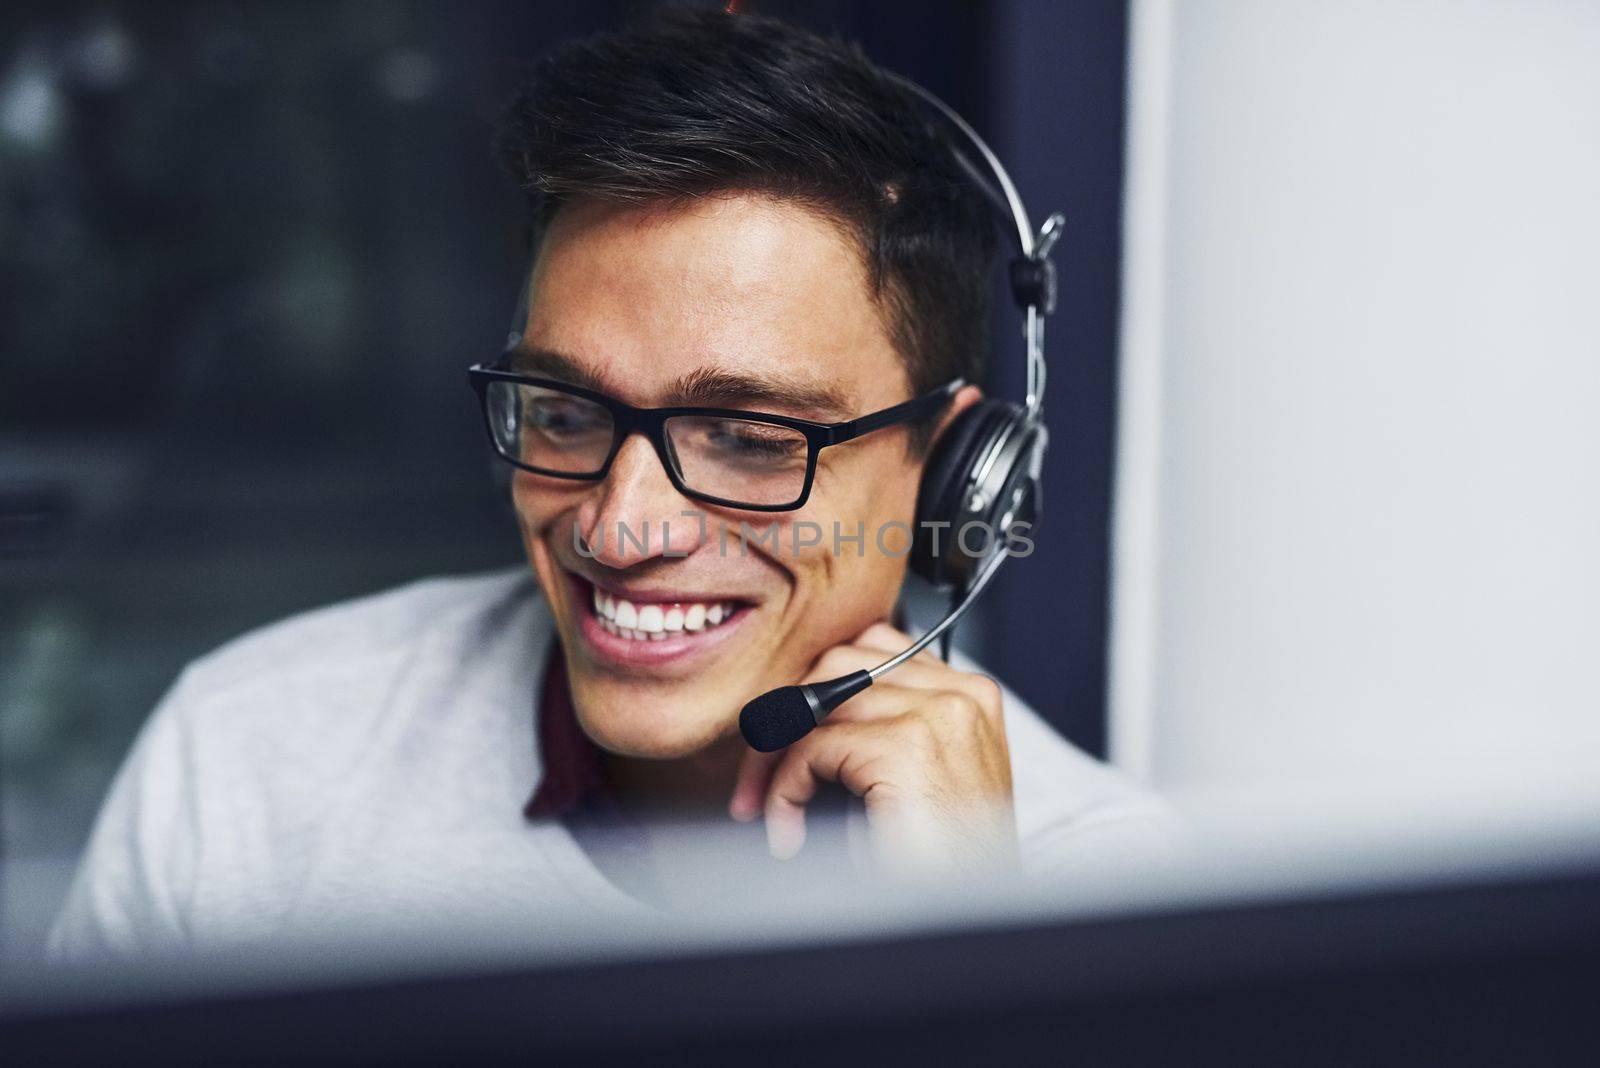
(777, 718)
(784, 716)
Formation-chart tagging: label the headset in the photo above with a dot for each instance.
(985, 468)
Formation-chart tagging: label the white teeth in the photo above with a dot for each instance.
(655, 621)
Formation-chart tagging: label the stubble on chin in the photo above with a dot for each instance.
(637, 737)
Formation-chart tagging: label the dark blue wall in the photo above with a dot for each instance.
(1059, 111)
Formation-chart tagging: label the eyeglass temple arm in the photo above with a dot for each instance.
(900, 413)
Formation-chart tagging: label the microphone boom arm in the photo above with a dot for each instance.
(978, 583)
(783, 716)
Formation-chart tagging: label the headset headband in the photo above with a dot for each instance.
(1032, 275)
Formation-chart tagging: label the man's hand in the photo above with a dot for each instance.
(925, 749)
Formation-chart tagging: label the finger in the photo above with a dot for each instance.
(883, 638)
(754, 776)
(845, 659)
(750, 784)
(916, 673)
(883, 700)
(753, 779)
(847, 753)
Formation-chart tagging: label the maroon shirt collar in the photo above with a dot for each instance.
(574, 767)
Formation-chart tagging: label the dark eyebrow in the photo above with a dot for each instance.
(704, 387)
(543, 363)
(717, 387)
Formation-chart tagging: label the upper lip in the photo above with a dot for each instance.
(660, 596)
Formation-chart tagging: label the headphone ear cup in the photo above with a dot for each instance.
(945, 479)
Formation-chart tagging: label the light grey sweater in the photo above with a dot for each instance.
(363, 767)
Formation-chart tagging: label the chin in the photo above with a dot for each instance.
(654, 726)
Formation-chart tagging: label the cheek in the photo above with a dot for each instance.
(544, 518)
(880, 496)
(523, 497)
(540, 501)
(861, 524)
(528, 497)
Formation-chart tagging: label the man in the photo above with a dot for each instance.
(726, 213)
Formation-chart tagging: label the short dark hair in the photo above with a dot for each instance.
(685, 103)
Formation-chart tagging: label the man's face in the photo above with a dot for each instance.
(735, 301)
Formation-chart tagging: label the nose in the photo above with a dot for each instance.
(636, 514)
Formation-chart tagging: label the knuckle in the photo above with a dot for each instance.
(986, 690)
(953, 705)
(955, 714)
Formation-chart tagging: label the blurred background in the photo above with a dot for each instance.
(1322, 494)
(247, 251)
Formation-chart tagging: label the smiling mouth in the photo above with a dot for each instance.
(657, 620)
(653, 629)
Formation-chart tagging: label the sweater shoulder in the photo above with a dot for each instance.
(379, 626)
(1066, 795)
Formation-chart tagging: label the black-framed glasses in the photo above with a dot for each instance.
(749, 460)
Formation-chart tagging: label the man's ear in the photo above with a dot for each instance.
(965, 398)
